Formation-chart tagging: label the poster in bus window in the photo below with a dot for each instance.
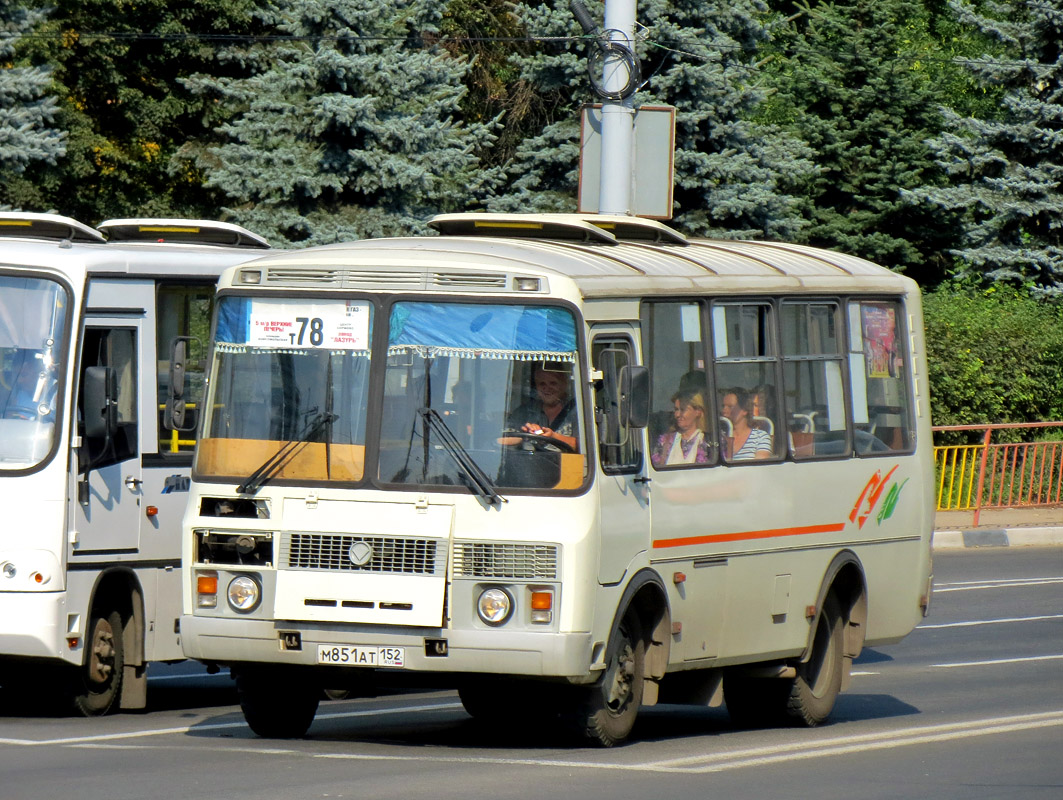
(879, 322)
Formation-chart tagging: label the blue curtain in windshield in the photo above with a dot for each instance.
(492, 331)
(234, 320)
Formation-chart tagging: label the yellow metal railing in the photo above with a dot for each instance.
(998, 474)
(957, 470)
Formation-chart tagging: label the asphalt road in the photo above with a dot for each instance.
(969, 706)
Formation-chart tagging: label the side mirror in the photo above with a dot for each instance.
(634, 396)
(176, 417)
(101, 407)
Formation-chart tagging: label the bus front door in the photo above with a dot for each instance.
(623, 492)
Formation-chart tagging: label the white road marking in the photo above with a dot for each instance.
(1002, 581)
(800, 748)
(854, 674)
(997, 661)
(218, 726)
(805, 748)
(988, 622)
(968, 586)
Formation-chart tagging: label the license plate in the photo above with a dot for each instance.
(346, 655)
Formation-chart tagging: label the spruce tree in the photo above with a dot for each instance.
(1007, 172)
(852, 84)
(733, 178)
(26, 111)
(349, 123)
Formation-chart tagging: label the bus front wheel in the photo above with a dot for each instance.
(276, 705)
(606, 711)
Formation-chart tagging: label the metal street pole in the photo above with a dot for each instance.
(618, 115)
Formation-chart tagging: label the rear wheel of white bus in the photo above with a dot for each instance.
(806, 699)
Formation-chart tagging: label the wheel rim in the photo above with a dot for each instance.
(818, 671)
(620, 685)
(102, 655)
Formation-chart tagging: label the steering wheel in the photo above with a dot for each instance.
(541, 442)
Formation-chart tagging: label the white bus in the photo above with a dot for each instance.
(92, 483)
(567, 465)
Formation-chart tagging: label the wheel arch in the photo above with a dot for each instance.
(845, 578)
(646, 596)
(119, 588)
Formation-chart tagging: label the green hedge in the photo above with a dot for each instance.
(994, 355)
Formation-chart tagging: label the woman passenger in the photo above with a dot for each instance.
(686, 445)
(748, 442)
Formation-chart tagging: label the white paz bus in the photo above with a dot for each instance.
(93, 479)
(568, 465)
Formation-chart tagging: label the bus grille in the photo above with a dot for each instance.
(504, 560)
(332, 551)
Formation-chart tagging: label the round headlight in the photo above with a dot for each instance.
(243, 593)
(494, 606)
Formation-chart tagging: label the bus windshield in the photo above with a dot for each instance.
(33, 319)
(475, 395)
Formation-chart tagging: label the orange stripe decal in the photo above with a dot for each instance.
(747, 535)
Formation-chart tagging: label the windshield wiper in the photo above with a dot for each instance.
(270, 466)
(479, 481)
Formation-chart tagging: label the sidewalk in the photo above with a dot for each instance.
(1000, 527)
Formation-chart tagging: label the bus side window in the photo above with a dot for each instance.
(115, 348)
(812, 377)
(619, 445)
(683, 428)
(880, 377)
(746, 372)
(182, 310)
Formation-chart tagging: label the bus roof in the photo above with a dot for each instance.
(181, 231)
(603, 256)
(51, 227)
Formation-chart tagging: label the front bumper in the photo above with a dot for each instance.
(540, 654)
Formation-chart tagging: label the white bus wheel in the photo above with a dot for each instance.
(277, 705)
(819, 680)
(98, 684)
(606, 711)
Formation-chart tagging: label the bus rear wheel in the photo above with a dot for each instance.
(97, 685)
(819, 679)
(806, 699)
(605, 713)
(276, 703)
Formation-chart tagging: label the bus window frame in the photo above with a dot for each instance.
(610, 340)
(904, 336)
(773, 302)
(70, 355)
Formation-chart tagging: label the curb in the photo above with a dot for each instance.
(998, 537)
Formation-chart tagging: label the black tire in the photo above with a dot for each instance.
(97, 684)
(804, 700)
(819, 680)
(604, 713)
(276, 704)
(755, 702)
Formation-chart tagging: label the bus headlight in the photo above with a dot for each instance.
(244, 593)
(494, 606)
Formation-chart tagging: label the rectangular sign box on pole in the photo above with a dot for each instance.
(653, 160)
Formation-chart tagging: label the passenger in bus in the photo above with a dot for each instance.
(761, 397)
(553, 415)
(686, 444)
(747, 442)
